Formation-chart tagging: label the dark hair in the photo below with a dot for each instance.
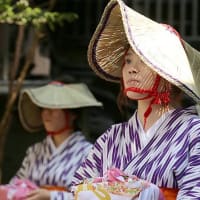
(124, 104)
(77, 122)
(180, 98)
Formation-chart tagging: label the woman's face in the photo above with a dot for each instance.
(136, 74)
(55, 119)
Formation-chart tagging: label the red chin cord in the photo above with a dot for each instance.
(58, 132)
(158, 98)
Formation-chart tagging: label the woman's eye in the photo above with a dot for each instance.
(127, 61)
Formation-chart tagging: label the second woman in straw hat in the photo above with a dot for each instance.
(51, 164)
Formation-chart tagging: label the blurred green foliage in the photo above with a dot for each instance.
(21, 13)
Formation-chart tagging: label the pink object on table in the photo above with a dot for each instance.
(17, 190)
(112, 175)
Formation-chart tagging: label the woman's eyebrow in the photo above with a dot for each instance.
(128, 54)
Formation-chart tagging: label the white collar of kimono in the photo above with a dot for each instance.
(62, 145)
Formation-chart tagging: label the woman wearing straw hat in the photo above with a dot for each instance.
(161, 141)
(54, 161)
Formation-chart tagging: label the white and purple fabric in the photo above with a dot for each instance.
(46, 164)
(169, 157)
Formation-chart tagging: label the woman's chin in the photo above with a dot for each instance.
(135, 96)
(50, 130)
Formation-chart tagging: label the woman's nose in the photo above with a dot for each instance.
(132, 70)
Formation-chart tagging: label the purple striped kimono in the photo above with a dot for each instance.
(171, 157)
(46, 164)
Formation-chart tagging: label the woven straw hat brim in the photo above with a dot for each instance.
(156, 45)
(70, 96)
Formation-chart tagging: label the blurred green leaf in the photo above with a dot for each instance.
(21, 13)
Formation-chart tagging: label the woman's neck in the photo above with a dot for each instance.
(155, 114)
(59, 139)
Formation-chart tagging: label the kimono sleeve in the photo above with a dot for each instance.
(23, 172)
(92, 166)
(190, 181)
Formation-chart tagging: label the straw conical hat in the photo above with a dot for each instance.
(54, 95)
(156, 45)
